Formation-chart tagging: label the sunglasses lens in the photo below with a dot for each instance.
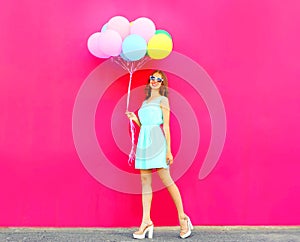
(153, 78)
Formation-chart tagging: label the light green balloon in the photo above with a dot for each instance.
(161, 31)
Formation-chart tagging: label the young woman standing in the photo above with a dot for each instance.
(154, 152)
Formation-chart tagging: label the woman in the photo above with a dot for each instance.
(154, 152)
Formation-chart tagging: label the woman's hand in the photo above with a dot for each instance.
(169, 158)
(131, 115)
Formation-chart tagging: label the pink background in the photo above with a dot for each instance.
(249, 48)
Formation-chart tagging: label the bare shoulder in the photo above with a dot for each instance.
(164, 102)
(164, 99)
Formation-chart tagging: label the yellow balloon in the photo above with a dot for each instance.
(159, 46)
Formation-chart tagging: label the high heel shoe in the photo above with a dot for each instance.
(189, 229)
(147, 230)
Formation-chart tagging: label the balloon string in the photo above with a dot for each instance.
(128, 91)
(132, 153)
(132, 128)
(131, 67)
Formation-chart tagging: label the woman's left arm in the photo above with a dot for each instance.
(166, 127)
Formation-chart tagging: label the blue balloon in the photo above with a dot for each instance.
(123, 57)
(134, 47)
(104, 27)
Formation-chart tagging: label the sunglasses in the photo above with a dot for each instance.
(158, 79)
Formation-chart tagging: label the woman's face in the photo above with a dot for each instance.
(155, 80)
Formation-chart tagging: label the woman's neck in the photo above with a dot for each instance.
(155, 93)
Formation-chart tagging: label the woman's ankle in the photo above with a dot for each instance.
(182, 216)
(146, 221)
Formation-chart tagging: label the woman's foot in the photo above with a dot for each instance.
(146, 227)
(185, 227)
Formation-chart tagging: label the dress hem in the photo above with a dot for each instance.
(149, 168)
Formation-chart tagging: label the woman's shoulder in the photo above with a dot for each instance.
(164, 102)
(163, 98)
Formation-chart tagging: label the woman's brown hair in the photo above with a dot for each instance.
(163, 90)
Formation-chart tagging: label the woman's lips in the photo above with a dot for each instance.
(154, 84)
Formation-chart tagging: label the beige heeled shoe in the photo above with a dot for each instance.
(184, 233)
(147, 230)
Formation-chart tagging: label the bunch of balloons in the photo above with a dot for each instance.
(130, 40)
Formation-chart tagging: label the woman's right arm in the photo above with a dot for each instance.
(131, 115)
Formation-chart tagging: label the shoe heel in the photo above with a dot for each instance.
(150, 232)
(190, 224)
(190, 228)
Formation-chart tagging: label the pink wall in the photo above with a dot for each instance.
(249, 48)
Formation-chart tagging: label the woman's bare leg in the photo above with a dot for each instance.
(146, 178)
(167, 180)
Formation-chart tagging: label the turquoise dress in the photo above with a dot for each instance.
(152, 146)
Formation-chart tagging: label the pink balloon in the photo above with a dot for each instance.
(119, 24)
(143, 27)
(94, 46)
(110, 42)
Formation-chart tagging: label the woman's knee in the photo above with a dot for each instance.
(165, 177)
(146, 179)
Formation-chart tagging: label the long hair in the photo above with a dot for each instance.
(163, 90)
